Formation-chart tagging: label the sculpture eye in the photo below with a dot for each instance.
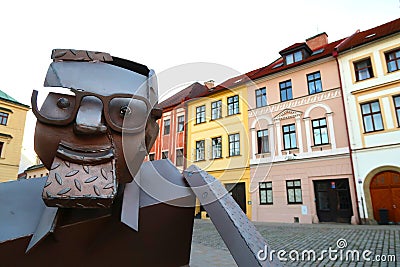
(125, 110)
(63, 103)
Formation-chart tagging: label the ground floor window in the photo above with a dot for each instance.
(265, 193)
(293, 190)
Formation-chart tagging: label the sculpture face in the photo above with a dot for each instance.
(84, 130)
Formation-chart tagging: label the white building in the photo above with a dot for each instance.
(369, 63)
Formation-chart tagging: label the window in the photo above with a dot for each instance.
(216, 110)
(164, 154)
(3, 118)
(393, 60)
(372, 118)
(200, 114)
(151, 156)
(314, 83)
(261, 97)
(181, 124)
(1, 148)
(217, 148)
(265, 189)
(262, 141)
(167, 126)
(295, 57)
(293, 190)
(200, 150)
(396, 100)
(179, 157)
(286, 90)
(233, 105)
(320, 132)
(234, 145)
(363, 69)
(289, 136)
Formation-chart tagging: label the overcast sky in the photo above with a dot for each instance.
(243, 35)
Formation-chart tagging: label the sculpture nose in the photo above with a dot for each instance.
(89, 117)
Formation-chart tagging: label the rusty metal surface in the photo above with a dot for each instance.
(81, 186)
(79, 55)
(239, 234)
(21, 207)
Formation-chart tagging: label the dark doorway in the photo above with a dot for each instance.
(238, 192)
(385, 195)
(333, 200)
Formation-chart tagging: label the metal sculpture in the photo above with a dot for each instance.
(100, 205)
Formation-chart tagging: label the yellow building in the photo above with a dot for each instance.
(35, 171)
(12, 124)
(218, 139)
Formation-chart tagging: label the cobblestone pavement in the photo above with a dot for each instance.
(208, 249)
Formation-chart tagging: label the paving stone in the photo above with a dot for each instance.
(208, 249)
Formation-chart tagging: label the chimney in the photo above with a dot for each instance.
(209, 84)
(317, 41)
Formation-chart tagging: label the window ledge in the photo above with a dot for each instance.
(297, 203)
(234, 114)
(373, 132)
(217, 158)
(216, 119)
(233, 156)
(200, 160)
(199, 123)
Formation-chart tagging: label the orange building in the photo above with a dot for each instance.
(171, 140)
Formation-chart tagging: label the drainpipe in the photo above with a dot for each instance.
(335, 55)
(185, 107)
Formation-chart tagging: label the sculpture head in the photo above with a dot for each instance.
(111, 97)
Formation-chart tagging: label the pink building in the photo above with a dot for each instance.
(171, 140)
(300, 164)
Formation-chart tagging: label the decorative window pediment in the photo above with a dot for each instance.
(287, 114)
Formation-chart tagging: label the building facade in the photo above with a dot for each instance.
(171, 141)
(12, 125)
(218, 139)
(299, 152)
(369, 67)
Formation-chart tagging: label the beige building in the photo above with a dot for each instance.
(12, 124)
(299, 160)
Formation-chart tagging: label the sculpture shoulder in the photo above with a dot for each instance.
(21, 207)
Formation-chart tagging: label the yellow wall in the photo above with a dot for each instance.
(11, 154)
(227, 169)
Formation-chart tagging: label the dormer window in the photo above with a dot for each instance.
(294, 57)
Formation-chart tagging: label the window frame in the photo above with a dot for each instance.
(164, 154)
(289, 133)
(216, 147)
(371, 114)
(396, 59)
(167, 127)
(201, 114)
(261, 94)
(234, 104)
(217, 108)
(283, 87)
(198, 149)
(292, 56)
(294, 187)
(261, 140)
(179, 157)
(319, 128)
(4, 118)
(181, 124)
(314, 81)
(152, 156)
(236, 145)
(397, 109)
(267, 190)
(369, 68)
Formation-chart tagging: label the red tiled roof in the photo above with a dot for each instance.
(370, 35)
(292, 47)
(192, 91)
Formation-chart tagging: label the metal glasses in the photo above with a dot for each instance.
(122, 112)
